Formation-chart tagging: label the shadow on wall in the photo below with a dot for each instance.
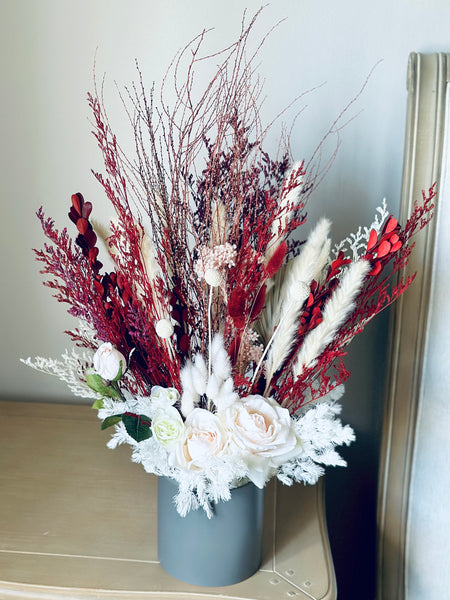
(351, 492)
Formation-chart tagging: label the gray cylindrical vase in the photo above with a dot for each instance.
(212, 552)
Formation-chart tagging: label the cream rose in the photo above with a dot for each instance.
(264, 433)
(164, 396)
(109, 363)
(205, 437)
(167, 427)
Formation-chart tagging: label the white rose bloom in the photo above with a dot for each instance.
(205, 437)
(167, 427)
(264, 432)
(164, 396)
(109, 363)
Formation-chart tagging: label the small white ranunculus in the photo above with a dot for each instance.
(164, 396)
(167, 427)
(264, 433)
(205, 437)
(109, 363)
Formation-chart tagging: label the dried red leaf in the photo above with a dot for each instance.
(77, 201)
(372, 240)
(73, 215)
(82, 226)
(396, 246)
(93, 253)
(375, 269)
(86, 209)
(394, 239)
(90, 238)
(383, 249)
(390, 225)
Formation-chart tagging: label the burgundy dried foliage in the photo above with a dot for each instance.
(204, 152)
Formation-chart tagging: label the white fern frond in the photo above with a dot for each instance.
(354, 246)
(70, 370)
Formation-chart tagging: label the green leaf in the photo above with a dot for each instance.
(98, 404)
(110, 391)
(137, 426)
(120, 373)
(96, 383)
(110, 421)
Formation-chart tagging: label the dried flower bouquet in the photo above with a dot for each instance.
(215, 345)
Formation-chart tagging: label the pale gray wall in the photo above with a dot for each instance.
(47, 54)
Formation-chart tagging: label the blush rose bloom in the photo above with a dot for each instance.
(109, 363)
(205, 437)
(264, 433)
(167, 427)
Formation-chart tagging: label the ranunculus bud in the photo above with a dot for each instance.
(109, 363)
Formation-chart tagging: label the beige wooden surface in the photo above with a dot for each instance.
(78, 520)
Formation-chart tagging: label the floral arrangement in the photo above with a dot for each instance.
(214, 347)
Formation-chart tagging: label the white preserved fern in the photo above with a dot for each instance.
(70, 370)
(354, 246)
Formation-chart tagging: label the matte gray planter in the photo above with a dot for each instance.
(213, 552)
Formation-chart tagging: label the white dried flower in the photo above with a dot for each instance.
(213, 277)
(164, 328)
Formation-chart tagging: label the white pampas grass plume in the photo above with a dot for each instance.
(199, 374)
(309, 264)
(220, 388)
(305, 267)
(284, 307)
(221, 363)
(336, 310)
(217, 386)
(286, 332)
(189, 396)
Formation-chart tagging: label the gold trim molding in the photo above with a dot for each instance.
(428, 75)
